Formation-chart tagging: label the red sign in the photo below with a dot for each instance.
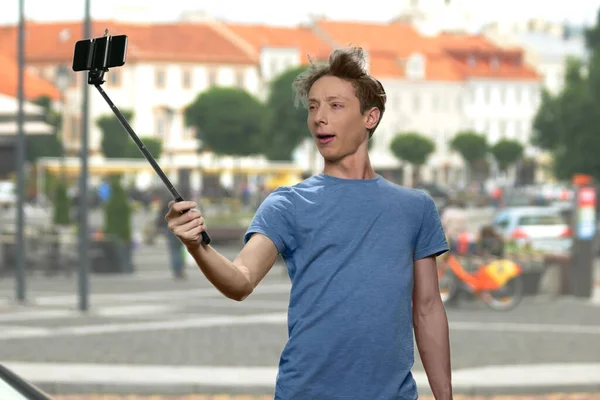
(587, 197)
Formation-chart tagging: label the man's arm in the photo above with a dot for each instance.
(235, 279)
(431, 328)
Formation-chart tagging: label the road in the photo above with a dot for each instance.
(147, 320)
(150, 319)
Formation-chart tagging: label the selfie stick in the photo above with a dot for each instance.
(96, 78)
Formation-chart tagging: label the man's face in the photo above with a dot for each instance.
(334, 118)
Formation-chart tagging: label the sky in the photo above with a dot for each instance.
(277, 12)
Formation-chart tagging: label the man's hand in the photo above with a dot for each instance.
(187, 226)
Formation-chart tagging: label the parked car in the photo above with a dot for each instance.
(14, 387)
(8, 195)
(543, 228)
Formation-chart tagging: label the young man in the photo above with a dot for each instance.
(360, 252)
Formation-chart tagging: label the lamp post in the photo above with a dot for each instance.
(63, 78)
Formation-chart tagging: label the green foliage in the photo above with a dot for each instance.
(286, 123)
(153, 145)
(61, 214)
(412, 147)
(228, 121)
(115, 142)
(471, 146)
(117, 212)
(45, 145)
(507, 152)
(568, 124)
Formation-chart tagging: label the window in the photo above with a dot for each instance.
(162, 122)
(416, 103)
(212, 77)
(415, 67)
(160, 79)
(502, 95)
(541, 219)
(114, 78)
(435, 103)
(239, 79)
(186, 79)
(495, 63)
(502, 129)
(471, 61)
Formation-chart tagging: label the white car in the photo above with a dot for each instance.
(8, 192)
(543, 228)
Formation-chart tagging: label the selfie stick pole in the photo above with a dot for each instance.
(96, 78)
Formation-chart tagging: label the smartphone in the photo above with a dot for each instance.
(100, 53)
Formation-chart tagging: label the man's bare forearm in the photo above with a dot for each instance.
(432, 336)
(228, 278)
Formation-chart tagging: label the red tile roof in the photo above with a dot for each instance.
(259, 36)
(34, 86)
(447, 55)
(187, 42)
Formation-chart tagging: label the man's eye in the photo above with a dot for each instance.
(336, 105)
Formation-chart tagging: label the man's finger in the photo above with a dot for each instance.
(183, 206)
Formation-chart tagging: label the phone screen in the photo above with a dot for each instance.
(118, 50)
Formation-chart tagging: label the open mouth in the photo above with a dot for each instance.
(324, 138)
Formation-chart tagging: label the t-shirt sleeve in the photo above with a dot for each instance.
(275, 219)
(431, 239)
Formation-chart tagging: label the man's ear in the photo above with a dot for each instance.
(372, 118)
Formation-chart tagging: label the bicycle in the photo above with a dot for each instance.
(495, 280)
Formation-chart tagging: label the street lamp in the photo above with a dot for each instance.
(63, 78)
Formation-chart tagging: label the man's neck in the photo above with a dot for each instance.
(350, 168)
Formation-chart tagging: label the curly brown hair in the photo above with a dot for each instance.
(347, 64)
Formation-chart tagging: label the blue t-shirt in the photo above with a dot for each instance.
(349, 247)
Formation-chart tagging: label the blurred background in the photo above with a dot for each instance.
(491, 109)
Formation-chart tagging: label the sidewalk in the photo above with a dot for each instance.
(554, 396)
(172, 380)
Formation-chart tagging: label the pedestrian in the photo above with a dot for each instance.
(456, 225)
(174, 245)
(360, 252)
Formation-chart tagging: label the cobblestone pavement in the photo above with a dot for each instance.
(554, 396)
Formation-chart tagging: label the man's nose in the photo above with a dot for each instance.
(320, 116)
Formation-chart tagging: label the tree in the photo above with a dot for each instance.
(117, 212)
(286, 125)
(228, 121)
(471, 146)
(46, 145)
(507, 152)
(61, 214)
(413, 148)
(567, 124)
(153, 145)
(115, 141)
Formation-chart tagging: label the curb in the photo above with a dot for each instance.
(185, 390)
(184, 380)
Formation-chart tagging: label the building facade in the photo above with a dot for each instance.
(437, 84)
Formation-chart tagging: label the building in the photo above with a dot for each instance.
(440, 85)
(34, 117)
(547, 46)
(168, 65)
(437, 83)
